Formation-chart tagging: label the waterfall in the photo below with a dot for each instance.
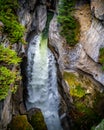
(42, 82)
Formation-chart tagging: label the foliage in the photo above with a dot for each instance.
(86, 116)
(69, 26)
(76, 90)
(88, 105)
(101, 57)
(8, 77)
(8, 56)
(8, 16)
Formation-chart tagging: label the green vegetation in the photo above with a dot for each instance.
(76, 90)
(8, 56)
(37, 121)
(86, 116)
(100, 126)
(8, 78)
(69, 26)
(12, 27)
(88, 102)
(101, 57)
(20, 122)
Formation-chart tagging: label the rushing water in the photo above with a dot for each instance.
(42, 82)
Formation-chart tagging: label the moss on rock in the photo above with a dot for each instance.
(20, 122)
(87, 100)
(36, 119)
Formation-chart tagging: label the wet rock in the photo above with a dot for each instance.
(60, 50)
(41, 17)
(19, 122)
(31, 16)
(36, 119)
(58, 43)
(18, 101)
(5, 112)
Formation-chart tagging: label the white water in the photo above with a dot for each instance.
(42, 82)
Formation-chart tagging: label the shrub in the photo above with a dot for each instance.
(8, 56)
(69, 26)
(8, 77)
(8, 16)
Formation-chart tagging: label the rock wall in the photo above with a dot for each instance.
(83, 58)
(33, 15)
(85, 54)
(6, 106)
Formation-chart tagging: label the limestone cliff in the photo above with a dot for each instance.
(83, 58)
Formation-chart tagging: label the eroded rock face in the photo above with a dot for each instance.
(5, 112)
(84, 56)
(56, 41)
(97, 7)
(94, 39)
(33, 15)
(91, 40)
(86, 64)
(60, 51)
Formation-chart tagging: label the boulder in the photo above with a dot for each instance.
(20, 122)
(36, 119)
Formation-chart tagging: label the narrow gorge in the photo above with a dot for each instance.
(52, 65)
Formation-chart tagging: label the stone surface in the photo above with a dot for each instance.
(58, 47)
(86, 53)
(36, 119)
(41, 17)
(35, 20)
(91, 31)
(94, 39)
(86, 64)
(20, 122)
(58, 43)
(97, 7)
(5, 112)
(84, 56)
